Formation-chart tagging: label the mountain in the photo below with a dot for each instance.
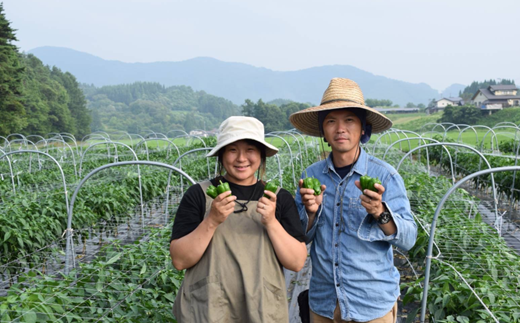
(453, 90)
(233, 81)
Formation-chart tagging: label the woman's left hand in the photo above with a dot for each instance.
(267, 207)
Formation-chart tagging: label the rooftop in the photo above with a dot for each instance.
(502, 87)
(490, 96)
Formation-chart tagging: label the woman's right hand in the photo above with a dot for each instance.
(309, 200)
(221, 207)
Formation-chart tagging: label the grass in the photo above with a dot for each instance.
(403, 118)
(467, 137)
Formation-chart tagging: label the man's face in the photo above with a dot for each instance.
(342, 129)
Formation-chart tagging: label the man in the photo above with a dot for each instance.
(353, 231)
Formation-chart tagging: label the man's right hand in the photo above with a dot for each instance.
(309, 200)
(221, 207)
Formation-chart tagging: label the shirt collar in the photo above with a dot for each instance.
(360, 166)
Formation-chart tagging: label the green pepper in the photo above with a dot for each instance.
(271, 186)
(363, 181)
(316, 186)
(212, 191)
(223, 187)
(367, 183)
(313, 183)
(308, 182)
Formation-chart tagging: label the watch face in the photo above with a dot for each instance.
(384, 218)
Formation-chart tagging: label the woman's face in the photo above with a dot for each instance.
(241, 160)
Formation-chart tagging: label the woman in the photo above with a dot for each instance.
(234, 247)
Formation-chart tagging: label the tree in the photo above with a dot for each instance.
(77, 105)
(46, 100)
(12, 111)
(289, 109)
(96, 124)
(410, 105)
(248, 108)
(268, 114)
(467, 114)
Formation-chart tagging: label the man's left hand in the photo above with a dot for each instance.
(372, 201)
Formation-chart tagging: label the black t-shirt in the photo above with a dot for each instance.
(343, 171)
(193, 207)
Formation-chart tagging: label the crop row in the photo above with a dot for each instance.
(471, 260)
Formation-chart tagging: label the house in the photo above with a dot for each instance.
(496, 97)
(198, 133)
(438, 105)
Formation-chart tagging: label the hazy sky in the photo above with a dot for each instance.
(438, 42)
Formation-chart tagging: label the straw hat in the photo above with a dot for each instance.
(341, 93)
(239, 128)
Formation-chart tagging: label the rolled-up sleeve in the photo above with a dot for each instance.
(304, 218)
(398, 205)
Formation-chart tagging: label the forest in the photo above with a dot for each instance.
(34, 98)
(144, 106)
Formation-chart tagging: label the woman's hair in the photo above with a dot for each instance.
(259, 146)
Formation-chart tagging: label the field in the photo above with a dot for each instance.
(88, 250)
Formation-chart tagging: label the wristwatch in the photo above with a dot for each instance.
(384, 217)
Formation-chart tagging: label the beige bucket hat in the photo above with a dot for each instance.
(238, 128)
(341, 93)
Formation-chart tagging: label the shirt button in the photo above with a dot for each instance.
(337, 224)
(340, 184)
(337, 204)
(337, 285)
(336, 264)
(336, 245)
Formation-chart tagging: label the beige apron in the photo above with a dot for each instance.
(238, 278)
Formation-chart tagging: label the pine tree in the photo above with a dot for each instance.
(12, 111)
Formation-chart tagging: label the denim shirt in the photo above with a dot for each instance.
(352, 258)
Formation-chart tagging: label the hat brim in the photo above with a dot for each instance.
(307, 120)
(270, 150)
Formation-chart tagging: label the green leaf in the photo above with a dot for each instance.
(5, 318)
(445, 300)
(20, 242)
(507, 254)
(172, 299)
(491, 297)
(58, 308)
(143, 270)
(29, 316)
(462, 319)
(99, 286)
(114, 259)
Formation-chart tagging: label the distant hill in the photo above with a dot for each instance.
(140, 106)
(452, 91)
(233, 81)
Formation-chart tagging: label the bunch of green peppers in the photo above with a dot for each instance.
(271, 186)
(314, 183)
(213, 191)
(367, 183)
